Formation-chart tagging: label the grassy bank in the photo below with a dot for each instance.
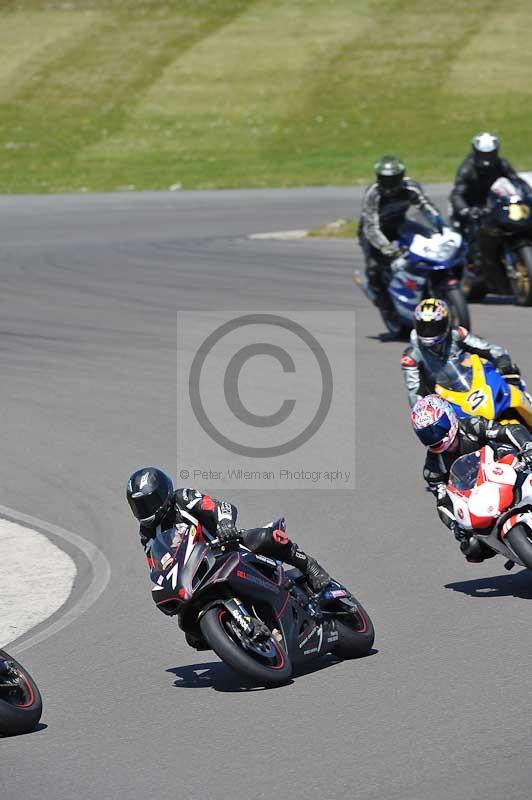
(114, 94)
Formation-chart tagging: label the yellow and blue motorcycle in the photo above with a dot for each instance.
(475, 388)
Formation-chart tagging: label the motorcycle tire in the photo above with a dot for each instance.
(355, 634)
(520, 540)
(395, 326)
(474, 290)
(522, 285)
(458, 307)
(216, 628)
(20, 710)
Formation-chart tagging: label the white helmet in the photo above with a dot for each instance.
(485, 149)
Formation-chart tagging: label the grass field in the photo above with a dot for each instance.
(115, 94)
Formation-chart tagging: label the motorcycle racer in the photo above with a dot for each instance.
(153, 501)
(384, 210)
(447, 438)
(433, 342)
(469, 197)
(475, 176)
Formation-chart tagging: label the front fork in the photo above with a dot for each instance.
(509, 259)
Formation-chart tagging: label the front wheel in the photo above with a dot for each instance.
(20, 699)
(519, 539)
(522, 283)
(265, 662)
(458, 307)
(355, 633)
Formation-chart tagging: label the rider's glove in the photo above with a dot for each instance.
(227, 532)
(505, 366)
(525, 456)
(398, 264)
(459, 534)
(439, 224)
(475, 213)
(391, 250)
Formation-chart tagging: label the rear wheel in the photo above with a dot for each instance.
(267, 663)
(522, 284)
(519, 539)
(457, 303)
(20, 699)
(474, 289)
(394, 324)
(355, 633)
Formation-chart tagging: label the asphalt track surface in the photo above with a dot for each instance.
(89, 290)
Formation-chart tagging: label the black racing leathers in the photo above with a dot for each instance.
(420, 365)
(472, 185)
(380, 221)
(193, 508)
(383, 215)
(473, 433)
(471, 191)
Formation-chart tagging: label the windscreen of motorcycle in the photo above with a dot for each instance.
(480, 489)
(438, 247)
(464, 471)
(165, 546)
(455, 374)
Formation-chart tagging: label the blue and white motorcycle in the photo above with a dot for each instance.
(431, 266)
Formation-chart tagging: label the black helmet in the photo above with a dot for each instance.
(432, 322)
(149, 493)
(390, 172)
(485, 150)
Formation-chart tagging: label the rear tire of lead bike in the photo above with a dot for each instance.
(474, 290)
(395, 326)
(21, 713)
(214, 627)
(520, 540)
(356, 636)
(458, 307)
(522, 285)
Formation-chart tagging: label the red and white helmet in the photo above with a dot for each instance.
(435, 423)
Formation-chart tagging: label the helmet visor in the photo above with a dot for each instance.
(145, 506)
(434, 434)
(390, 184)
(433, 331)
(486, 160)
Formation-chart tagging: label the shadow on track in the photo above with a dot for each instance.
(41, 726)
(497, 300)
(387, 338)
(216, 675)
(517, 585)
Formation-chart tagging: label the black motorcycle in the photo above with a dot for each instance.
(20, 699)
(509, 215)
(258, 618)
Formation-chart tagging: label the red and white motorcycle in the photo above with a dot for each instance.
(492, 498)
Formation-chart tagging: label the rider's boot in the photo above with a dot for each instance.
(273, 541)
(316, 576)
(475, 551)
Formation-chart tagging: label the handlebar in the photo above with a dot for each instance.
(216, 542)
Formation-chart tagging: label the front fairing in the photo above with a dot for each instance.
(512, 214)
(179, 561)
(480, 489)
(406, 290)
(436, 253)
(474, 387)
